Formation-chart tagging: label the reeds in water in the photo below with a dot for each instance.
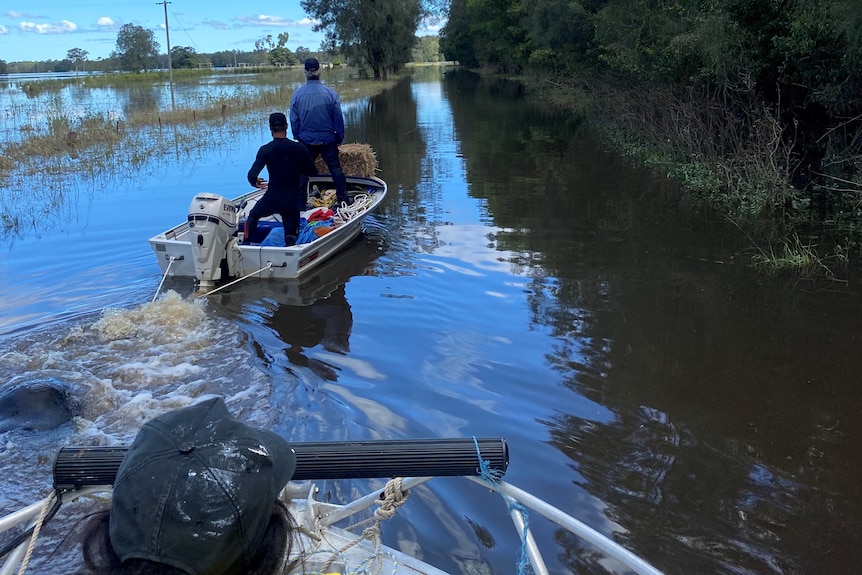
(49, 143)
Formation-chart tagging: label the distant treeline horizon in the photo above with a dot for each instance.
(426, 50)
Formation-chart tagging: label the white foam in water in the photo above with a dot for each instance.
(125, 368)
(168, 319)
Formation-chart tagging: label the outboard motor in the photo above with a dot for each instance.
(212, 222)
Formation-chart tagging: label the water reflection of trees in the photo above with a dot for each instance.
(400, 152)
(723, 450)
(709, 458)
(727, 466)
(139, 99)
(722, 355)
(392, 126)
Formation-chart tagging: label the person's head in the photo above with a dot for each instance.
(277, 122)
(312, 68)
(196, 494)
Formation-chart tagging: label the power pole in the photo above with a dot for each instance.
(170, 66)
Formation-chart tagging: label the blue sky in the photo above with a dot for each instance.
(48, 29)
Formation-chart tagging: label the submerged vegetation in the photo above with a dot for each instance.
(50, 143)
(792, 255)
(748, 172)
(61, 128)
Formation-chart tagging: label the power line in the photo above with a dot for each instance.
(184, 29)
(170, 65)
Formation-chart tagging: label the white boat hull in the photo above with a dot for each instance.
(176, 257)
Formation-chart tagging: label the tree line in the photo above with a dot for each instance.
(763, 93)
(137, 51)
(378, 35)
(425, 49)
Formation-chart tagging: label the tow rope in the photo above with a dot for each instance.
(266, 267)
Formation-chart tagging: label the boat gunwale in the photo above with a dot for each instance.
(325, 514)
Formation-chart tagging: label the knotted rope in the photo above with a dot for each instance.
(392, 498)
(49, 501)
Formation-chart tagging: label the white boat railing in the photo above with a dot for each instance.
(610, 547)
(31, 515)
(83, 471)
(516, 499)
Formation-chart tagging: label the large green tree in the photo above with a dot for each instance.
(490, 32)
(77, 56)
(184, 57)
(426, 49)
(457, 38)
(137, 48)
(381, 33)
(277, 52)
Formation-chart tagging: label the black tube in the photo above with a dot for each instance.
(76, 467)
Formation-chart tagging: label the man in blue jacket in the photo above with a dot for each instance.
(317, 122)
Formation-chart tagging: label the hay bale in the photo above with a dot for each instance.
(356, 160)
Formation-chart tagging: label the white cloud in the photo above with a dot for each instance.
(3, 29)
(15, 14)
(105, 22)
(63, 27)
(266, 20)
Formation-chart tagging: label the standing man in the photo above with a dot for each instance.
(286, 163)
(317, 122)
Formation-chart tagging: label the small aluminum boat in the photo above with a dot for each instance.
(324, 546)
(209, 246)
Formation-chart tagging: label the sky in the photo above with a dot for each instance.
(48, 29)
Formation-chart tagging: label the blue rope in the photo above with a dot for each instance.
(494, 476)
(523, 563)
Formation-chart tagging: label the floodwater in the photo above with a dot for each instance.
(521, 282)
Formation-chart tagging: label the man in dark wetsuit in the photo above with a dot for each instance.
(285, 161)
(317, 122)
